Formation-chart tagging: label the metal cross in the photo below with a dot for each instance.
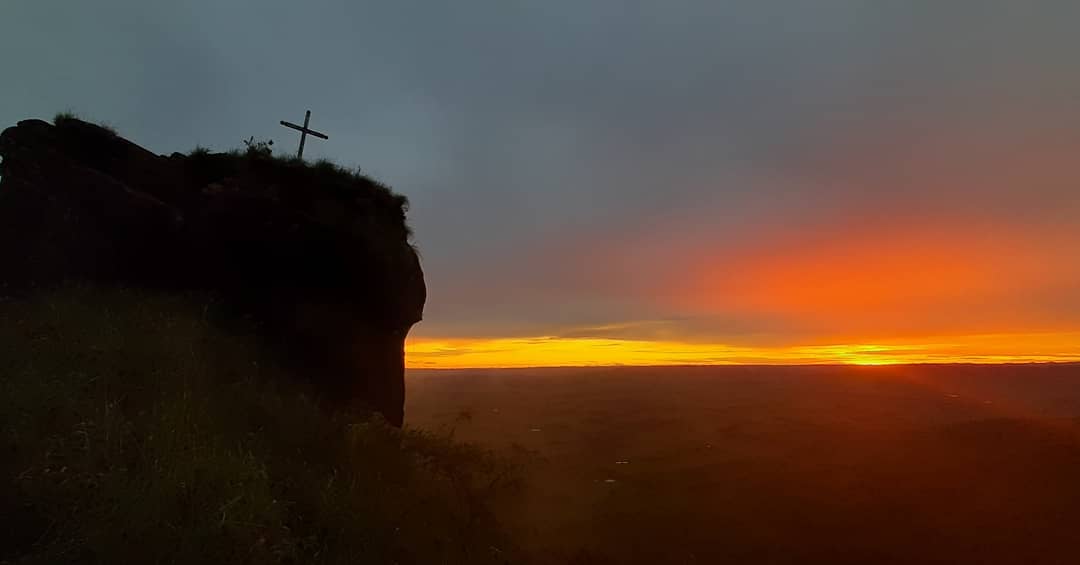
(304, 131)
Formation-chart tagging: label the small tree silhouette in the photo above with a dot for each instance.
(259, 148)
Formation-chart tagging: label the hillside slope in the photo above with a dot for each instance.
(132, 431)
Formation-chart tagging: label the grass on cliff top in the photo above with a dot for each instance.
(68, 116)
(304, 180)
(133, 432)
(281, 170)
(326, 171)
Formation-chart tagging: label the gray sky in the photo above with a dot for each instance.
(608, 168)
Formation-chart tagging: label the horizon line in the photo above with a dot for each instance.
(752, 365)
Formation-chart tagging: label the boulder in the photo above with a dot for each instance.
(317, 257)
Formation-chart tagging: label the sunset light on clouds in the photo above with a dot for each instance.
(968, 260)
(963, 227)
(916, 258)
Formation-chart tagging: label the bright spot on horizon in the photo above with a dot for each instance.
(586, 352)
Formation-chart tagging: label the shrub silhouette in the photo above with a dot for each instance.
(259, 148)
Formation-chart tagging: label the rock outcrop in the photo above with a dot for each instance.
(316, 257)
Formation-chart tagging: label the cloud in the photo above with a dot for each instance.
(690, 171)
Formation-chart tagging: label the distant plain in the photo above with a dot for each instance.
(758, 464)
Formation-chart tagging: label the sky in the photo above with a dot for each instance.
(643, 182)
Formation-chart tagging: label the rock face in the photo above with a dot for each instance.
(318, 258)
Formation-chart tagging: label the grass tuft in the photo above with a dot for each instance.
(68, 117)
(65, 116)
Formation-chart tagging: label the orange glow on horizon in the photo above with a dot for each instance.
(571, 352)
(879, 274)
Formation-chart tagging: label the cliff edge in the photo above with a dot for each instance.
(315, 257)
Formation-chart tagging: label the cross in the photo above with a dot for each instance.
(304, 131)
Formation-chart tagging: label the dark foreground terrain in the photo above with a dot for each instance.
(134, 430)
(932, 464)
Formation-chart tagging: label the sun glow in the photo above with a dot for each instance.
(565, 352)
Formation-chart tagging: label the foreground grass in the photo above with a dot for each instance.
(133, 432)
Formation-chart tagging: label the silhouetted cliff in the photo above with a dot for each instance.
(316, 258)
